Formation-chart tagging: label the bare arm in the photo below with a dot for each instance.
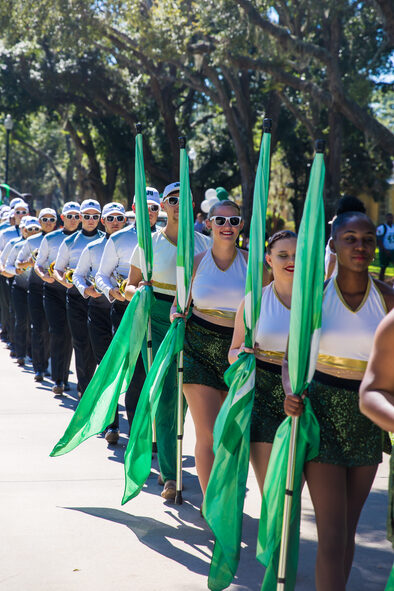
(173, 313)
(134, 280)
(377, 387)
(237, 343)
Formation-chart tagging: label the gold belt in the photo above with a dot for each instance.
(342, 363)
(167, 286)
(275, 356)
(216, 313)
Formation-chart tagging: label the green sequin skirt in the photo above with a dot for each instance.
(267, 412)
(205, 353)
(347, 437)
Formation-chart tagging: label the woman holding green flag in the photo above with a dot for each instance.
(218, 285)
(270, 346)
(341, 476)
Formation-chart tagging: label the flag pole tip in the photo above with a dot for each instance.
(267, 125)
(320, 146)
(138, 127)
(182, 142)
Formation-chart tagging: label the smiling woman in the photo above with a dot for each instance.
(269, 349)
(218, 286)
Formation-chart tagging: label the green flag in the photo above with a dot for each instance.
(224, 499)
(138, 456)
(303, 345)
(96, 409)
(7, 192)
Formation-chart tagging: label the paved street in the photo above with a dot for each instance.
(63, 527)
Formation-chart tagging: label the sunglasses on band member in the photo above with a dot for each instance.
(91, 216)
(33, 229)
(118, 218)
(47, 220)
(20, 212)
(72, 216)
(220, 220)
(173, 201)
(153, 207)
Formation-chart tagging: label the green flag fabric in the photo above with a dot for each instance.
(225, 495)
(270, 526)
(4, 189)
(138, 456)
(96, 409)
(303, 345)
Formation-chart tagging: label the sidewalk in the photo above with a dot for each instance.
(63, 527)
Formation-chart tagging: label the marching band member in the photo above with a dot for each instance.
(164, 287)
(19, 209)
(99, 308)
(29, 226)
(77, 307)
(218, 286)
(55, 297)
(341, 476)
(113, 270)
(39, 325)
(270, 346)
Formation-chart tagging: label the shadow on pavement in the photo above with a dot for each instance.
(157, 536)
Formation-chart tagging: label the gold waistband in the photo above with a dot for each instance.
(167, 286)
(272, 356)
(341, 363)
(216, 313)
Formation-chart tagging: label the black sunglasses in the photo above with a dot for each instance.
(91, 216)
(112, 218)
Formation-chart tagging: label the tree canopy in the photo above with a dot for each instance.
(77, 76)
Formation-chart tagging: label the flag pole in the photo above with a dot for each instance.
(179, 437)
(149, 351)
(281, 580)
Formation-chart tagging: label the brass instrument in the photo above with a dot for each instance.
(68, 275)
(121, 281)
(34, 254)
(92, 279)
(51, 269)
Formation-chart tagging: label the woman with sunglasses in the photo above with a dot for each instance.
(39, 325)
(99, 308)
(218, 286)
(341, 476)
(19, 289)
(77, 307)
(54, 298)
(269, 349)
(113, 270)
(164, 243)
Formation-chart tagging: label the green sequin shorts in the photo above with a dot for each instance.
(347, 437)
(205, 353)
(267, 412)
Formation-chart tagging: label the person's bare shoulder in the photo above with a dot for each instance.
(387, 292)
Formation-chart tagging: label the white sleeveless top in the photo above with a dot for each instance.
(273, 327)
(216, 292)
(164, 260)
(346, 335)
